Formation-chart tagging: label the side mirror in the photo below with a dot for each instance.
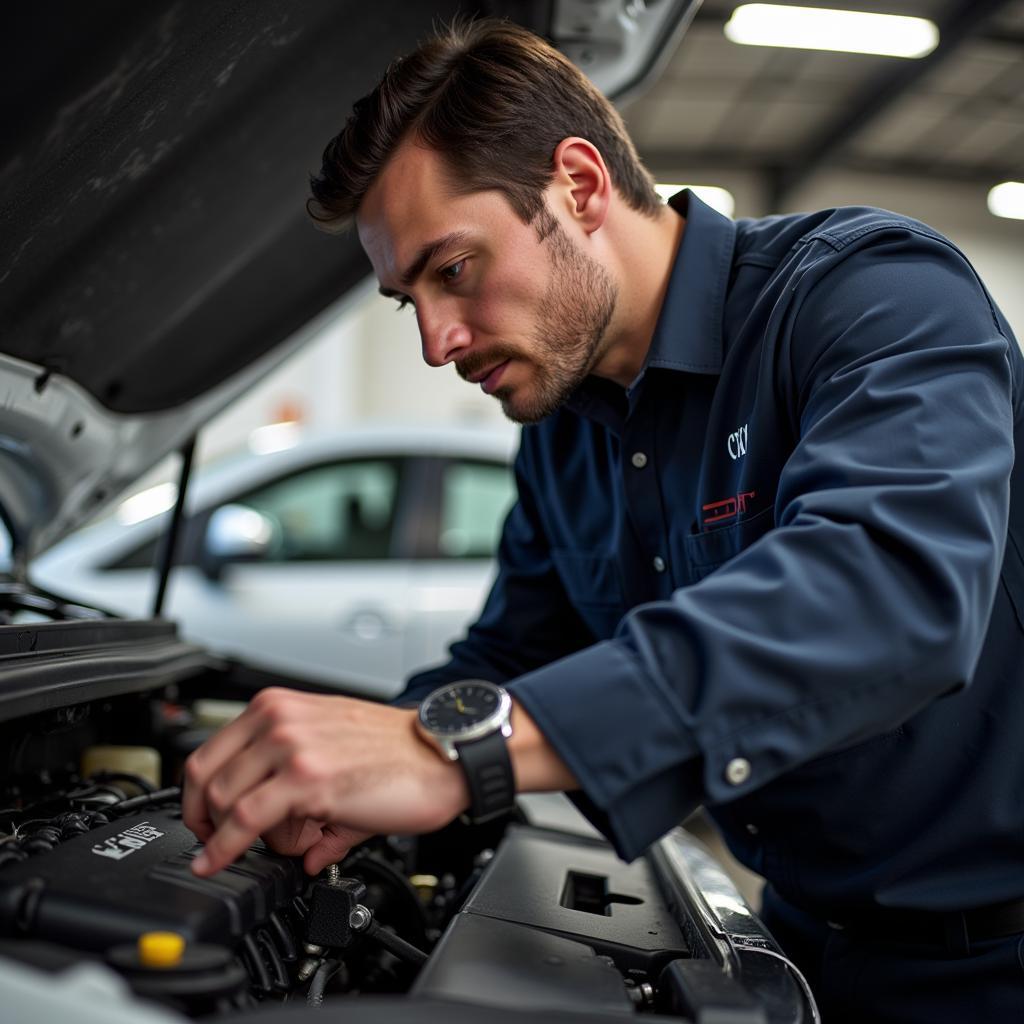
(236, 533)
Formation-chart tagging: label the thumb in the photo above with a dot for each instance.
(332, 847)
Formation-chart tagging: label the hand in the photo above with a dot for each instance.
(318, 843)
(316, 774)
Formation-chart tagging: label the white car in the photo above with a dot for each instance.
(353, 558)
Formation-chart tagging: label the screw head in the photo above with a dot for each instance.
(359, 918)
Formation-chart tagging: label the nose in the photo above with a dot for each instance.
(443, 335)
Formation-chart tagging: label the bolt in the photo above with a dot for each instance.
(359, 918)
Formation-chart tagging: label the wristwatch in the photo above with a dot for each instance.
(469, 722)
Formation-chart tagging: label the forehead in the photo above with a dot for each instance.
(412, 201)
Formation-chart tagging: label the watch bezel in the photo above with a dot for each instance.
(495, 721)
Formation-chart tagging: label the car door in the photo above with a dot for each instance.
(455, 568)
(328, 600)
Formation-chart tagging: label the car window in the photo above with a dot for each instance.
(332, 512)
(475, 497)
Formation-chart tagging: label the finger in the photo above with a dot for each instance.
(258, 811)
(201, 766)
(333, 847)
(194, 811)
(212, 757)
(293, 837)
(243, 773)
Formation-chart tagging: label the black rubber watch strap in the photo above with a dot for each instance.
(488, 769)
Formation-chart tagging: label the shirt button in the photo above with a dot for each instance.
(639, 460)
(737, 771)
(659, 563)
(752, 829)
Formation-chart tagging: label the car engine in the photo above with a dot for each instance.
(528, 915)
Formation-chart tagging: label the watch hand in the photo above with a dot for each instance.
(459, 706)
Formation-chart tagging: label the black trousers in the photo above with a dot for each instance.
(860, 978)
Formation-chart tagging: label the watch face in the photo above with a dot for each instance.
(455, 709)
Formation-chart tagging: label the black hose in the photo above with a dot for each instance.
(257, 968)
(285, 940)
(266, 946)
(135, 802)
(393, 944)
(322, 975)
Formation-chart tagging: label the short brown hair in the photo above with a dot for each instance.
(495, 101)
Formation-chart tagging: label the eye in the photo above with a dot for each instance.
(453, 271)
(403, 301)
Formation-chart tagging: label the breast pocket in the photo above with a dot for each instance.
(594, 588)
(705, 552)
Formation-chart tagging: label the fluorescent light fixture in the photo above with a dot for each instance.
(275, 437)
(720, 199)
(1007, 200)
(819, 28)
(147, 504)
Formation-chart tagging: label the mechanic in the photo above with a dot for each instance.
(763, 557)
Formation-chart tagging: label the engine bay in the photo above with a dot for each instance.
(517, 916)
(98, 865)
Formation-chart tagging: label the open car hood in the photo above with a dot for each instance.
(155, 254)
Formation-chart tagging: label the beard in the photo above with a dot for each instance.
(573, 316)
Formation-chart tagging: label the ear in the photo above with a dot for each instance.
(582, 182)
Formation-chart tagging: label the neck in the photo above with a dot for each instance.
(645, 249)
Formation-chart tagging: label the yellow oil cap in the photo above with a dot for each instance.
(161, 949)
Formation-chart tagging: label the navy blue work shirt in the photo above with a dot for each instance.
(779, 574)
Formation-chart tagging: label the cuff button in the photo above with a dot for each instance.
(737, 771)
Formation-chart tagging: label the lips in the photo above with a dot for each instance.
(489, 381)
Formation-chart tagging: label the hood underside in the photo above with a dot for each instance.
(153, 174)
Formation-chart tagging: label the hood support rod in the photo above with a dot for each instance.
(166, 560)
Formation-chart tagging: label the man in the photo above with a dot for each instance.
(760, 557)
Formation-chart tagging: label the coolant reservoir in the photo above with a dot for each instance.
(141, 761)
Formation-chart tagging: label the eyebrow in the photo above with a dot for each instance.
(429, 251)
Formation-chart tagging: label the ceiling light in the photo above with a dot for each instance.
(720, 199)
(818, 28)
(1007, 200)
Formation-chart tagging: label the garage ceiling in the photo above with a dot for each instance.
(957, 114)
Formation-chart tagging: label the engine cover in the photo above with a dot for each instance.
(106, 887)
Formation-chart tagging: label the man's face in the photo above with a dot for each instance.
(523, 317)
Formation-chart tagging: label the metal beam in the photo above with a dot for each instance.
(684, 161)
(677, 162)
(964, 20)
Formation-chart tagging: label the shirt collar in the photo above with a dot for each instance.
(688, 335)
